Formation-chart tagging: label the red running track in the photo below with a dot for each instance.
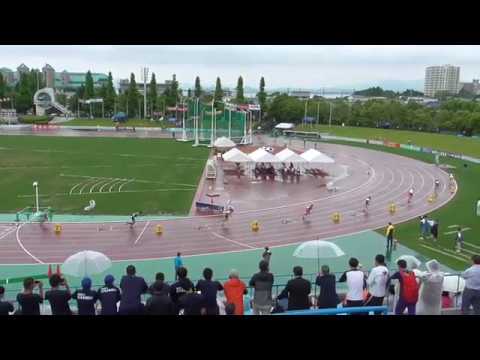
(279, 212)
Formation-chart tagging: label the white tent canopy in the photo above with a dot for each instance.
(260, 155)
(235, 155)
(224, 142)
(315, 156)
(288, 156)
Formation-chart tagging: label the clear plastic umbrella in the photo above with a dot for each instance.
(412, 261)
(86, 263)
(318, 249)
(453, 283)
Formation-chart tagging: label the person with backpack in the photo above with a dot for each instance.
(409, 289)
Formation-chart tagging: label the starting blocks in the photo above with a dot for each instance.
(159, 230)
(336, 217)
(392, 208)
(58, 229)
(255, 226)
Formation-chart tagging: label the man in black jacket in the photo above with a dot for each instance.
(262, 282)
(297, 291)
(159, 303)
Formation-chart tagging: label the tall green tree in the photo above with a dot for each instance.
(239, 98)
(218, 94)
(152, 95)
(198, 88)
(89, 87)
(132, 97)
(23, 96)
(110, 96)
(262, 95)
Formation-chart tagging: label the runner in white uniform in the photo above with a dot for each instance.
(308, 211)
(410, 195)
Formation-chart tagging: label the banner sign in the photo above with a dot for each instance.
(391, 144)
(177, 108)
(254, 107)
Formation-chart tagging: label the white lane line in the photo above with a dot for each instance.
(232, 241)
(8, 232)
(106, 184)
(470, 244)
(453, 232)
(89, 182)
(74, 187)
(23, 247)
(452, 226)
(141, 234)
(121, 186)
(119, 181)
(444, 253)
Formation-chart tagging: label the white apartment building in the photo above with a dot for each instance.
(442, 78)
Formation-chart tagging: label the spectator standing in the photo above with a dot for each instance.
(459, 240)
(159, 303)
(109, 296)
(209, 288)
(409, 287)
(234, 290)
(86, 298)
(424, 231)
(434, 230)
(193, 303)
(180, 287)
(132, 289)
(28, 300)
(262, 282)
(57, 297)
(5, 307)
(178, 262)
(430, 300)
(471, 293)
(356, 283)
(160, 282)
(267, 254)
(377, 282)
(389, 234)
(328, 297)
(297, 291)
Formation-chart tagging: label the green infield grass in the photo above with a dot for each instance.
(156, 176)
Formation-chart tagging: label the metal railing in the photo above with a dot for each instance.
(371, 310)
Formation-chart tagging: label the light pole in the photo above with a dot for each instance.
(230, 123)
(195, 119)
(35, 185)
(184, 134)
(145, 77)
(318, 112)
(211, 131)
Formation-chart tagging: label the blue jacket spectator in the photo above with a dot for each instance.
(209, 289)
(86, 298)
(109, 296)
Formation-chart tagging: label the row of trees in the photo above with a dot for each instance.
(452, 115)
(21, 95)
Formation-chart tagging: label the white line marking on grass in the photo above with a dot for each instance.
(444, 253)
(452, 226)
(106, 184)
(470, 244)
(74, 187)
(23, 247)
(116, 192)
(232, 241)
(453, 232)
(119, 181)
(139, 236)
(85, 184)
(97, 184)
(125, 183)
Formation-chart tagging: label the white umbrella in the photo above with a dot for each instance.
(86, 263)
(412, 261)
(224, 142)
(318, 249)
(453, 283)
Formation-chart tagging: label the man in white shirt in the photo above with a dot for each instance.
(377, 282)
(356, 283)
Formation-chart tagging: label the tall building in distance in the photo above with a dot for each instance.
(444, 79)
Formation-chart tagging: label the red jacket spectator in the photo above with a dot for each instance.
(234, 289)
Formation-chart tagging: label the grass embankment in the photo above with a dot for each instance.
(449, 143)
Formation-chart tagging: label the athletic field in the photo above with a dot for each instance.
(156, 176)
(450, 143)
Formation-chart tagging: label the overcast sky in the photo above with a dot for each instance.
(282, 66)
